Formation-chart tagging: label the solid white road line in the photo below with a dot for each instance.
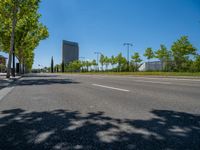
(166, 78)
(158, 82)
(109, 87)
(146, 81)
(151, 78)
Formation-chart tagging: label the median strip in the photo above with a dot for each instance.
(109, 87)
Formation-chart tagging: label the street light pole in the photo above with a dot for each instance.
(128, 48)
(97, 53)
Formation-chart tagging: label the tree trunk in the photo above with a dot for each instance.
(14, 22)
(136, 67)
(20, 61)
(13, 71)
(20, 67)
(23, 67)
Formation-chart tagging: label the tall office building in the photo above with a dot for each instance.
(70, 51)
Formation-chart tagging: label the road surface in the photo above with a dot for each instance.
(44, 111)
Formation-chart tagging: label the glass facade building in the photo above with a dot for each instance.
(70, 51)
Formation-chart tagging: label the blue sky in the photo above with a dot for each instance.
(104, 25)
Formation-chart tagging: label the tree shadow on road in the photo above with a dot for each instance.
(61, 129)
(45, 81)
(33, 75)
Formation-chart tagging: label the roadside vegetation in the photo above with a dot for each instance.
(139, 73)
(21, 31)
(182, 59)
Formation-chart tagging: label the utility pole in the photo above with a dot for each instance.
(97, 53)
(128, 48)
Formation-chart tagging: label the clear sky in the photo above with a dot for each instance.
(104, 25)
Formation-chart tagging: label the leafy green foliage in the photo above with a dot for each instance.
(121, 61)
(149, 53)
(164, 56)
(74, 66)
(183, 51)
(20, 28)
(102, 61)
(107, 62)
(113, 61)
(181, 48)
(195, 66)
(136, 60)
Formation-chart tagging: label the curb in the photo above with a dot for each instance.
(6, 89)
(9, 82)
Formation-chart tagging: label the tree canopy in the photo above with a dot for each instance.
(183, 51)
(21, 30)
(149, 53)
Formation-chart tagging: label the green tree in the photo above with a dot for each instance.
(183, 51)
(107, 62)
(163, 55)
(94, 64)
(27, 39)
(83, 64)
(196, 64)
(102, 61)
(88, 64)
(57, 68)
(112, 61)
(149, 53)
(136, 61)
(11, 13)
(121, 61)
(74, 66)
(77, 65)
(70, 67)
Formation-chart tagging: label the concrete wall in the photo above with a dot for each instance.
(70, 51)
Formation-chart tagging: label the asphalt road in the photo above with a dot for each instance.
(43, 111)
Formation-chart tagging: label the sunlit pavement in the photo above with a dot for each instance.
(44, 111)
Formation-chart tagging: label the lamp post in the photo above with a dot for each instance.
(97, 53)
(128, 48)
